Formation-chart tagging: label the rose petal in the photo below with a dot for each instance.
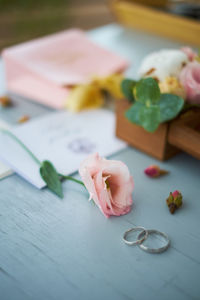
(189, 52)
(190, 79)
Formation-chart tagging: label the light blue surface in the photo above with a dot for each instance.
(133, 45)
(52, 249)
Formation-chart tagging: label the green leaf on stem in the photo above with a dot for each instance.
(127, 86)
(147, 91)
(151, 107)
(170, 106)
(150, 117)
(51, 177)
(133, 113)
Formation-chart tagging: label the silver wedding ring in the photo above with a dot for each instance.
(155, 250)
(142, 236)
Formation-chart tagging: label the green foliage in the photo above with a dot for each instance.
(127, 88)
(147, 91)
(151, 107)
(133, 113)
(51, 177)
(150, 117)
(170, 106)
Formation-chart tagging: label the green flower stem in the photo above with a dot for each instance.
(71, 178)
(9, 133)
(15, 138)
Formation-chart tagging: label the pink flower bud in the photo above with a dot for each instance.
(154, 171)
(175, 194)
(174, 201)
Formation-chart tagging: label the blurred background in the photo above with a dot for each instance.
(22, 20)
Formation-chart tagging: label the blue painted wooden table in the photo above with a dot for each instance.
(52, 249)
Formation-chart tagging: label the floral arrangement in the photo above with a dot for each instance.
(169, 84)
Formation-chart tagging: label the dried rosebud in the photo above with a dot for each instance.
(174, 201)
(170, 199)
(172, 208)
(24, 119)
(5, 101)
(154, 171)
(177, 198)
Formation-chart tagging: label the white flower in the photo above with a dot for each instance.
(162, 64)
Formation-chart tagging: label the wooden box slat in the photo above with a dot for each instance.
(155, 21)
(183, 134)
(169, 139)
(154, 144)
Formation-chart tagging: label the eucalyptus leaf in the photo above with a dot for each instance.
(147, 91)
(170, 106)
(51, 177)
(133, 113)
(150, 117)
(127, 86)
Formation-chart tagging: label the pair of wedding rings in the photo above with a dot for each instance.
(143, 235)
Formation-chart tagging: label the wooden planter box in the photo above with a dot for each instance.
(169, 139)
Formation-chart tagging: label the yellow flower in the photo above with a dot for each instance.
(84, 96)
(173, 86)
(111, 84)
(90, 95)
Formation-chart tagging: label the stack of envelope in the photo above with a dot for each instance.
(45, 69)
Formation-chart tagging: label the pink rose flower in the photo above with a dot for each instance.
(109, 184)
(190, 79)
(189, 52)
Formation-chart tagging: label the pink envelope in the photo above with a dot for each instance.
(44, 69)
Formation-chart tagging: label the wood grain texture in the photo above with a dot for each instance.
(52, 249)
(58, 249)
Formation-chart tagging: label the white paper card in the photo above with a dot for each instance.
(63, 138)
